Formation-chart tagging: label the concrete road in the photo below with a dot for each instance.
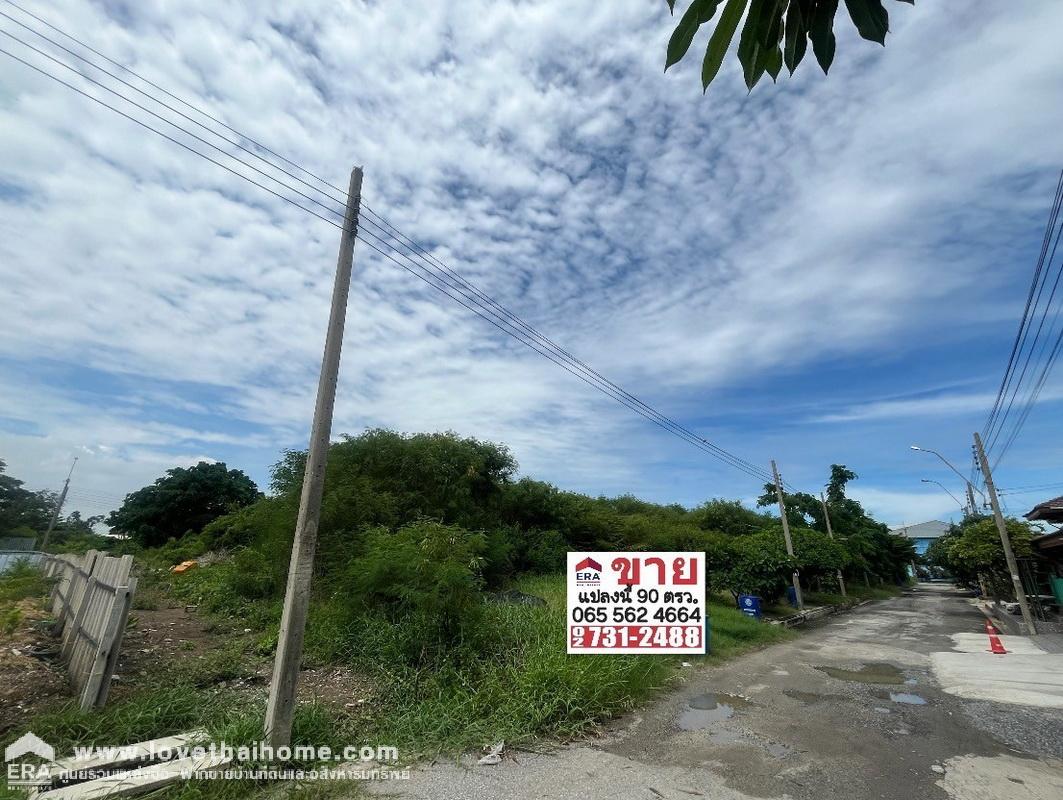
(852, 709)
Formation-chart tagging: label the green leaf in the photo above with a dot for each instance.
(721, 40)
(700, 12)
(821, 32)
(773, 62)
(759, 36)
(796, 40)
(871, 19)
(671, 5)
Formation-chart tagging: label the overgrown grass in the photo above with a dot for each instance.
(23, 580)
(522, 684)
(179, 706)
(510, 681)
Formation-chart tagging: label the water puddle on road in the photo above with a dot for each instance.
(907, 698)
(707, 709)
(868, 673)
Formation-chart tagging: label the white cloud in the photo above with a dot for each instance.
(684, 245)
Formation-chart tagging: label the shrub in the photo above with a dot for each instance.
(426, 578)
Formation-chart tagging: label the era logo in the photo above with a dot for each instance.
(588, 571)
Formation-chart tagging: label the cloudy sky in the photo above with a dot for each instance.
(824, 270)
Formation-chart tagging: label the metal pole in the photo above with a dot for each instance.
(948, 464)
(58, 506)
(1009, 556)
(830, 533)
(280, 708)
(963, 508)
(786, 534)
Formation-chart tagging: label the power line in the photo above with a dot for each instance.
(185, 131)
(521, 331)
(1014, 382)
(171, 95)
(517, 325)
(433, 263)
(1023, 330)
(655, 417)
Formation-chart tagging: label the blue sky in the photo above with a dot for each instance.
(822, 271)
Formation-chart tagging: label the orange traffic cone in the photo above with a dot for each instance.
(995, 645)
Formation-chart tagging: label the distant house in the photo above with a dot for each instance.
(923, 533)
(1049, 546)
(1048, 511)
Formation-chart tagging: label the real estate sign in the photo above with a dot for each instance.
(636, 603)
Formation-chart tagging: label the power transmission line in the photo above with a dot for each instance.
(1020, 335)
(503, 319)
(1031, 344)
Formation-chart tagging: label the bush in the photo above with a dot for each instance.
(21, 580)
(756, 564)
(425, 578)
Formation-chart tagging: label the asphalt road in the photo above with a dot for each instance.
(852, 709)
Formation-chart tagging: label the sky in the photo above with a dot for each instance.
(824, 270)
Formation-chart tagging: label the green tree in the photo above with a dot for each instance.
(870, 548)
(22, 512)
(973, 553)
(182, 501)
(776, 33)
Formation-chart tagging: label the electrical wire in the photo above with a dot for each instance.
(1023, 322)
(996, 424)
(391, 230)
(171, 95)
(522, 332)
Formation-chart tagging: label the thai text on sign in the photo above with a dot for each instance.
(636, 603)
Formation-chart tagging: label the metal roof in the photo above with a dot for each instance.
(933, 529)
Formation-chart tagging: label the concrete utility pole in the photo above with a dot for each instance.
(970, 499)
(786, 534)
(1013, 567)
(830, 533)
(58, 506)
(280, 708)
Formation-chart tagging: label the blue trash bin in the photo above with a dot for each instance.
(749, 605)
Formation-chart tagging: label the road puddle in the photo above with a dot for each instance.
(707, 709)
(907, 698)
(868, 673)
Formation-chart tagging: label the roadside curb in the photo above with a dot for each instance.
(816, 613)
(1008, 626)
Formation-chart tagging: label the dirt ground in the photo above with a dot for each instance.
(155, 641)
(29, 680)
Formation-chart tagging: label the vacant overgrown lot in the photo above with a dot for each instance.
(437, 620)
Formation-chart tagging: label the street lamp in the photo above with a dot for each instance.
(971, 488)
(946, 491)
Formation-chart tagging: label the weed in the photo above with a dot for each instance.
(22, 580)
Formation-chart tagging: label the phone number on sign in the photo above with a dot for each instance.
(649, 636)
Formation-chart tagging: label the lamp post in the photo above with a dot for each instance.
(946, 491)
(970, 487)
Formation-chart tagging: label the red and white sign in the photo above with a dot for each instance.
(636, 603)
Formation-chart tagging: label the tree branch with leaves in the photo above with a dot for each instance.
(776, 33)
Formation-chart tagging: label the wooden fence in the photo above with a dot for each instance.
(91, 602)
